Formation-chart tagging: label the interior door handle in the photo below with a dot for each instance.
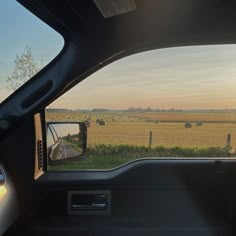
(89, 206)
(89, 202)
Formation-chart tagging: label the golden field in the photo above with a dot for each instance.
(134, 128)
(185, 116)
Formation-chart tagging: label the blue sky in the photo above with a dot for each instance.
(184, 78)
(19, 28)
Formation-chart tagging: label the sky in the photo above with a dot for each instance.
(20, 28)
(199, 77)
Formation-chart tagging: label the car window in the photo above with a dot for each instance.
(27, 45)
(166, 103)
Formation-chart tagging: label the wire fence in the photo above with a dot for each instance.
(153, 139)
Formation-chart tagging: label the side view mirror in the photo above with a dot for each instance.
(65, 140)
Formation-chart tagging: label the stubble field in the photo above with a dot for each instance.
(167, 128)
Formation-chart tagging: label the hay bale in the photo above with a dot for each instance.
(199, 123)
(102, 122)
(188, 125)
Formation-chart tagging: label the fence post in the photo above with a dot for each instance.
(228, 140)
(150, 138)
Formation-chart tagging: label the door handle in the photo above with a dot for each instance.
(89, 202)
(92, 206)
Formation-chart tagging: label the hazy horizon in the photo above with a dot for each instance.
(141, 109)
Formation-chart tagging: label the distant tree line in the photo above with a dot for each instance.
(149, 109)
(100, 110)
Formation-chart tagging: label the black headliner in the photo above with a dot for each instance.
(160, 22)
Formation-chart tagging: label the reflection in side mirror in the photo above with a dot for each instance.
(66, 140)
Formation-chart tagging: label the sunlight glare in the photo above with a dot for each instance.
(3, 191)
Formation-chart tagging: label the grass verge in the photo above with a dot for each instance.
(111, 156)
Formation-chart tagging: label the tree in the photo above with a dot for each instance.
(25, 67)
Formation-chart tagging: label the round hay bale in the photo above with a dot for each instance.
(102, 122)
(199, 123)
(188, 125)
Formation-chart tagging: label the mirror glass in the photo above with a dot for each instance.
(64, 140)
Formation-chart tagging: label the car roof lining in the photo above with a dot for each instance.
(91, 41)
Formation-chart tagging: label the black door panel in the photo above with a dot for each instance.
(148, 197)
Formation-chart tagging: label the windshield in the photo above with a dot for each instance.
(27, 45)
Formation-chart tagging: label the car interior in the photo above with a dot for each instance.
(163, 196)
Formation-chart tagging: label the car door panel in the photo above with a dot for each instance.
(153, 197)
(148, 196)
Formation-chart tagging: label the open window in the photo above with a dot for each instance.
(167, 103)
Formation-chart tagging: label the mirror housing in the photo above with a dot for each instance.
(66, 140)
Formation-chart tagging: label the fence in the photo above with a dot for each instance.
(153, 139)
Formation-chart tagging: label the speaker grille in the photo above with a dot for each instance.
(40, 154)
